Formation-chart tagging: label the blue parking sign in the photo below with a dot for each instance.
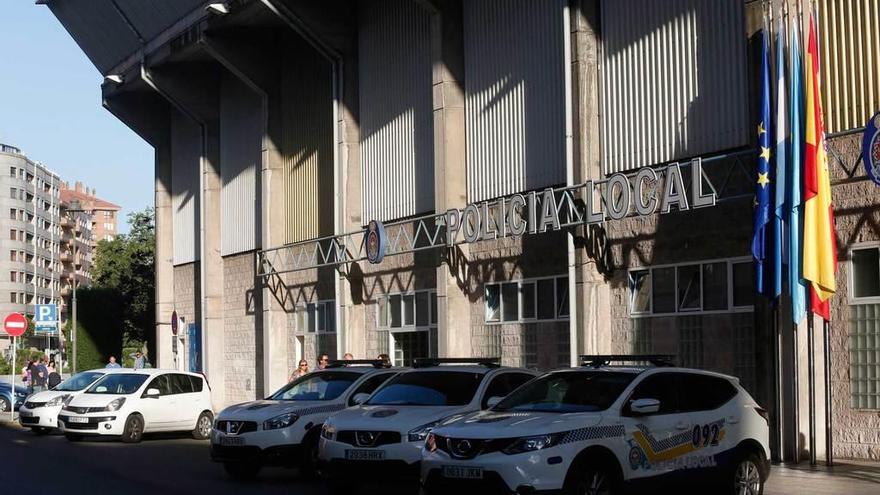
(46, 319)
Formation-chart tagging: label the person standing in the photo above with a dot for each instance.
(39, 375)
(300, 371)
(139, 360)
(111, 363)
(26, 376)
(348, 356)
(323, 360)
(53, 378)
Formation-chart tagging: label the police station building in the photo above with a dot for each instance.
(527, 179)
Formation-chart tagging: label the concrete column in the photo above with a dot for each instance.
(193, 88)
(453, 306)
(592, 295)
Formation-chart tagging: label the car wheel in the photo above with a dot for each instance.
(745, 477)
(308, 467)
(338, 487)
(242, 471)
(4, 405)
(134, 429)
(73, 437)
(203, 426)
(592, 478)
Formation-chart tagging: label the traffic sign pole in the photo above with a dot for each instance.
(12, 381)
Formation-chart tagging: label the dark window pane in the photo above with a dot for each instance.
(196, 383)
(423, 316)
(562, 297)
(689, 288)
(394, 311)
(312, 316)
(714, 392)
(574, 392)
(510, 301)
(160, 383)
(663, 387)
(321, 317)
(181, 384)
(743, 284)
(409, 308)
(866, 272)
(429, 388)
(640, 291)
(330, 309)
(527, 299)
(493, 302)
(663, 289)
(370, 385)
(715, 286)
(546, 299)
(433, 308)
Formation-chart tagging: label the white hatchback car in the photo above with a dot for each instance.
(40, 411)
(598, 428)
(382, 438)
(128, 403)
(283, 429)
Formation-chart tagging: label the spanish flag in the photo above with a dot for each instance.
(820, 249)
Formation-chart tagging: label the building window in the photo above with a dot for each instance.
(408, 323)
(539, 299)
(865, 270)
(864, 356)
(13, 297)
(703, 287)
(319, 317)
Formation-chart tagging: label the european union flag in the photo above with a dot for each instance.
(763, 189)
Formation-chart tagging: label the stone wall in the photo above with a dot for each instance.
(186, 293)
(243, 345)
(857, 219)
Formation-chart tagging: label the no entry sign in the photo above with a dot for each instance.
(15, 324)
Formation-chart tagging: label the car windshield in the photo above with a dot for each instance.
(323, 385)
(428, 388)
(569, 392)
(78, 381)
(118, 383)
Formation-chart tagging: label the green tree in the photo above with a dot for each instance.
(125, 266)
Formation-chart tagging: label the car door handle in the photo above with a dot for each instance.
(733, 420)
(682, 426)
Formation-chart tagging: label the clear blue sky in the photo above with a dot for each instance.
(50, 107)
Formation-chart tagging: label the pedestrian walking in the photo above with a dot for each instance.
(384, 358)
(53, 378)
(39, 375)
(300, 371)
(323, 360)
(111, 363)
(139, 360)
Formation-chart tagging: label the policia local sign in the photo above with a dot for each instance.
(642, 193)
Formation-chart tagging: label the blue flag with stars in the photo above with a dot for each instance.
(761, 236)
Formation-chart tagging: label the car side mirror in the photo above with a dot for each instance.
(360, 398)
(152, 393)
(493, 401)
(641, 407)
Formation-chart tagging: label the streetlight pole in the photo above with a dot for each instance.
(74, 208)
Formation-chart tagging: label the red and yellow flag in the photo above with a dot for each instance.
(820, 249)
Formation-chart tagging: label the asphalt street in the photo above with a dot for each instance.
(177, 464)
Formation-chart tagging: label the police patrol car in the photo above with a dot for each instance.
(594, 429)
(283, 429)
(383, 437)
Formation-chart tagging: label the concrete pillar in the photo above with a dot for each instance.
(148, 114)
(450, 161)
(592, 295)
(193, 88)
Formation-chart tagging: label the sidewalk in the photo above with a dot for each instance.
(846, 477)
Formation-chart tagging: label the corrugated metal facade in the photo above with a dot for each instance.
(307, 144)
(515, 95)
(674, 80)
(396, 111)
(849, 41)
(241, 134)
(186, 151)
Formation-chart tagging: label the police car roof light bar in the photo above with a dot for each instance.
(491, 362)
(599, 360)
(342, 363)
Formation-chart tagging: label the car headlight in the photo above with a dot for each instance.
(537, 442)
(421, 433)
(115, 404)
(280, 421)
(328, 431)
(57, 401)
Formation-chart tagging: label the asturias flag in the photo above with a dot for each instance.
(820, 249)
(761, 234)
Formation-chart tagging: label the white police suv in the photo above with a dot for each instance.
(594, 429)
(283, 429)
(382, 438)
(40, 411)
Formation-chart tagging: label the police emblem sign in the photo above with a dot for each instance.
(871, 149)
(375, 241)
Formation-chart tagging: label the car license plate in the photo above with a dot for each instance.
(364, 455)
(461, 472)
(78, 419)
(232, 441)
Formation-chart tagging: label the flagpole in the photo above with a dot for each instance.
(811, 382)
(796, 402)
(778, 379)
(829, 442)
